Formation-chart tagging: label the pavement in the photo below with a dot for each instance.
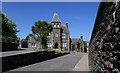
(72, 62)
(83, 64)
(16, 52)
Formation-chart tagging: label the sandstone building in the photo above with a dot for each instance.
(77, 44)
(59, 38)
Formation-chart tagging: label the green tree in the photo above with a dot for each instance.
(27, 37)
(78, 46)
(23, 40)
(41, 29)
(9, 30)
(85, 44)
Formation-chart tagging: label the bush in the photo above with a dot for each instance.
(9, 46)
(24, 45)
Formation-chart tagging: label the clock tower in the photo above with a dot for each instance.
(56, 33)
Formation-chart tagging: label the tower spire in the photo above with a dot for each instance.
(55, 17)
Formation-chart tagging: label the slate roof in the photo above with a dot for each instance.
(31, 39)
(75, 40)
(55, 17)
(65, 29)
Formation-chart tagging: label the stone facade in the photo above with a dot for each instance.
(59, 38)
(75, 42)
(104, 49)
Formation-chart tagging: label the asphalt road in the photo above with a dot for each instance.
(63, 63)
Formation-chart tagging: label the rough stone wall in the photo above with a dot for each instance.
(104, 49)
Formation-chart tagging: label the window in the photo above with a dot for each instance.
(58, 26)
(33, 45)
(64, 44)
(63, 35)
(54, 25)
(48, 35)
(56, 35)
(49, 44)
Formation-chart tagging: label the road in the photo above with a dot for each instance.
(63, 63)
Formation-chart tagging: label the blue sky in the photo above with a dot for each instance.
(80, 15)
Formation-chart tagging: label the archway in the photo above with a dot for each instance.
(56, 45)
(73, 47)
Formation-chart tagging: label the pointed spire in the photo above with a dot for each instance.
(55, 17)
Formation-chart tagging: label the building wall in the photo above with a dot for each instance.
(104, 49)
(74, 46)
(59, 39)
(53, 38)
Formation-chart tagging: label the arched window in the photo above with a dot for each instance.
(58, 25)
(54, 25)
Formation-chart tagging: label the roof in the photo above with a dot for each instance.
(31, 39)
(65, 29)
(55, 17)
(75, 40)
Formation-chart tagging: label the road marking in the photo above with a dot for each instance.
(76, 67)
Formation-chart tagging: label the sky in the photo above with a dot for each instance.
(80, 16)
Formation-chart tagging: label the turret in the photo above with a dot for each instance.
(67, 24)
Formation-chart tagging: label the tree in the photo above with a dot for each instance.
(78, 46)
(9, 30)
(41, 29)
(27, 37)
(85, 44)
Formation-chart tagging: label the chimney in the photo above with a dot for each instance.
(67, 24)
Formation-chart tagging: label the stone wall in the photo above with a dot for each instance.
(20, 60)
(104, 49)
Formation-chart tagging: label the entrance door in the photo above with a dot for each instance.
(73, 47)
(56, 45)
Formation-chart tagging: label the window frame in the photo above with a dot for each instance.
(64, 44)
(63, 35)
(49, 44)
(33, 44)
